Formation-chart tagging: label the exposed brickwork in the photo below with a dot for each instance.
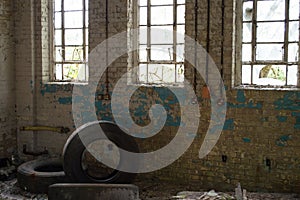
(7, 79)
(258, 147)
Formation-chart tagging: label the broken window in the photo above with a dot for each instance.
(70, 40)
(270, 42)
(160, 44)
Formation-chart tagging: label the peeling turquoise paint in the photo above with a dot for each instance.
(282, 118)
(65, 100)
(228, 125)
(297, 125)
(53, 88)
(247, 140)
(282, 141)
(257, 105)
(241, 96)
(290, 101)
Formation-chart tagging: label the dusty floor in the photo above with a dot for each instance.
(150, 191)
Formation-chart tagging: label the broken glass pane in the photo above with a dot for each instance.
(269, 51)
(246, 74)
(74, 53)
(270, 32)
(143, 73)
(155, 73)
(292, 75)
(74, 19)
(58, 54)
(168, 73)
(246, 52)
(161, 52)
(269, 74)
(73, 5)
(162, 35)
(73, 37)
(294, 9)
(294, 31)
(71, 71)
(293, 52)
(271, 10)
(162, 15)
(143, 53)
(247, 11)
(247, 32)
(180, 73)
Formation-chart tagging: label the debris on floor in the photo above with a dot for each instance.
(211, 195)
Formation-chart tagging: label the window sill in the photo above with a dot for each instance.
(65, 83)
(267, 87)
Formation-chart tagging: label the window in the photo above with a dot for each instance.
(160, 55)
(269, 42)
(70, 40)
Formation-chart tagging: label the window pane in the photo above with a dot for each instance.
(86, 36)
(294, 9)
(57, 37)
(74, 53)
(161, 52)
(81, 72)
(143, 73)
(143, 35)
(143, 53)
(270, 32)
(269, 75)
(294, 31)
(181, 14)
(180, 53)
(293, 52)
(246, 74)
(155, 73)
(57, 20)
(74, 19)
(73, 5)
(86, 19)
(71, 71)
(180, 73)
(180, 1)
(57, 5)
(162, 15)
(247, 11)
(58, 72)
(269, 51)
(162, 35)
(247, 49)
(168, 73)
(161, 2)
(73, 37)
(292, 75)
(143, 2)
(271, 10)
(86, 4)
(143, 16)
(247, 32)
(58, 54)
(180, 33)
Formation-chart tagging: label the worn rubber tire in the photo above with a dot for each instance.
(74, 149)
(35, 181)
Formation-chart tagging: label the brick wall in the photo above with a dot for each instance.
(259, 143)
(7, 79)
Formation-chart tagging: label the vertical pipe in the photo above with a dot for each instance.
(207, 40)
(106, 46)
(286, 38)
(196, 41)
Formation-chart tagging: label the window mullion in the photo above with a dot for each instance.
(148, 37)
(254, 35)
(63, 36)
(84, 38)
(286, 38)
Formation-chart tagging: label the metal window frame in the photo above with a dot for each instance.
(239, 43)
(84, 45)
(174, 44)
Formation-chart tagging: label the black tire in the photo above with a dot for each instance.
(74, 149)
(37, 175)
